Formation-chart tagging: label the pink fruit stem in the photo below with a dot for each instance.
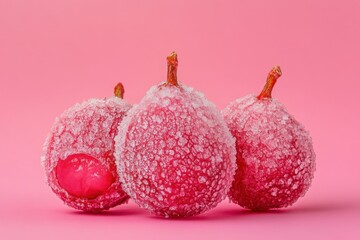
(119, 91)
(273, 75)
(172, 64)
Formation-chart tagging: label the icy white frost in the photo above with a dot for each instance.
(174, 152)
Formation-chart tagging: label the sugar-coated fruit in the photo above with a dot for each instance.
(275, 156)
(78, 154)
(175, 154)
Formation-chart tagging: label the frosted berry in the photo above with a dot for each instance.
(275, 156)
(175, 154)
(78, 154)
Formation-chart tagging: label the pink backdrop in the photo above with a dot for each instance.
(56, 53)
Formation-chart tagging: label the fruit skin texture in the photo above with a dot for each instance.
(78, 155)
(175, 154)
(275, 156)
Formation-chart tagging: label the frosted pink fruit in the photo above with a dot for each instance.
(275, 156)
(175, 154)
(78, 154)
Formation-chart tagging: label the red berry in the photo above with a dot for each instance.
(175, 154)
(78, 154)
(275, 156)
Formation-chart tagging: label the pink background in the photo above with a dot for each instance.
(59, 52)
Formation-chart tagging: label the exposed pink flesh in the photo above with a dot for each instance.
(83, 176)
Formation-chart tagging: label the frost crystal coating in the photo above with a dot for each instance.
(275, 156)
(175, 154)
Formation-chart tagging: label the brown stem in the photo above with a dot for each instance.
(273, 75)
(172, 64)
(119, 90)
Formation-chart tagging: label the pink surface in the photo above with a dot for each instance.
(56, 53)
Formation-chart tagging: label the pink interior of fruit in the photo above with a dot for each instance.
(83, 176)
